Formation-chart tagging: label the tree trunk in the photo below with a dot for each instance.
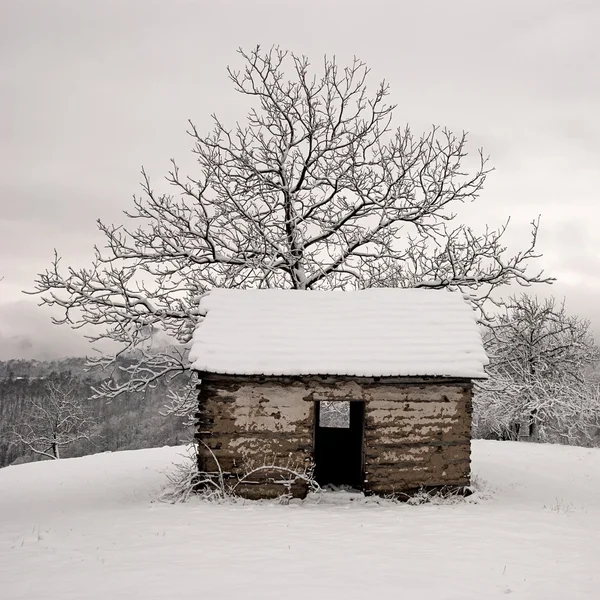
(55, 449)
(533, 426)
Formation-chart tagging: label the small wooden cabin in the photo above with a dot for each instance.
(396, 365)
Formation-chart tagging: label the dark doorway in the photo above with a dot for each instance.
(339, 450)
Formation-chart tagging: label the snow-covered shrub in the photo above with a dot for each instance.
(182, 479)
(185, 479)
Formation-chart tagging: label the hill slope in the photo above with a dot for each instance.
(86, 528)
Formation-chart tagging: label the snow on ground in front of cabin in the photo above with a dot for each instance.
(87, 528)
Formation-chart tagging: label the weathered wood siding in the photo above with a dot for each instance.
(419, 438)
(417, 431)
(247, 422)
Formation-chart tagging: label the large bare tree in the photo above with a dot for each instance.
(315, 190)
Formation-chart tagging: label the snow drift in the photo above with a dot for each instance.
(88, 528)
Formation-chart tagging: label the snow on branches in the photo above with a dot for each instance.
(538, 386)
(315, 190)
(55, 419)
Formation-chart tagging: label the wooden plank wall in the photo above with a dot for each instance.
(417, 432)
(420, 439)
(247, 422)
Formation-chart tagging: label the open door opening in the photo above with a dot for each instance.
(339, 443)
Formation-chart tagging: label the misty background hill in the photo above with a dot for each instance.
(132, 421)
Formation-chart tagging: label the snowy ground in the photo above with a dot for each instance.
(86, 528)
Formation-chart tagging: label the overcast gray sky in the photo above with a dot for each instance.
(92, 90)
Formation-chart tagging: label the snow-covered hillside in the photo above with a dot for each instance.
(87, 528)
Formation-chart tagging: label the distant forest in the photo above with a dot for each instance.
(130, 422)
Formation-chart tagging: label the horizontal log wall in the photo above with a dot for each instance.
(246, 423)
(420, 439)
(417, 431)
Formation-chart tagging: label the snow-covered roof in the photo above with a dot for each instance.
(371, 333)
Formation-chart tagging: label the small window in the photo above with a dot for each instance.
(334, 414)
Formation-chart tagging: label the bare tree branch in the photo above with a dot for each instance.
(55, 420)
(315, 190)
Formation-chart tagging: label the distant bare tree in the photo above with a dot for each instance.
(55, 419)
(538, 383)
(316, 190)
